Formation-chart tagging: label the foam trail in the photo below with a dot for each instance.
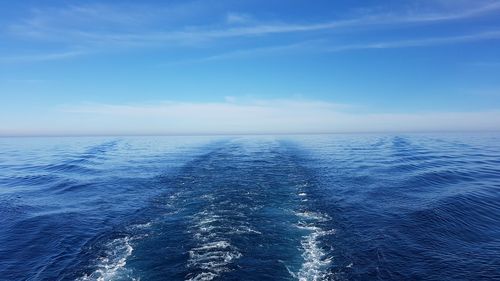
(316, 261)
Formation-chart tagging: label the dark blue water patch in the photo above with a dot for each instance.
(419, 223)
(69, 168)
(71, 186)
(457, 235)
(12, 209)
(404, 151)
(437, 178)
(29, 245)
(47, 237)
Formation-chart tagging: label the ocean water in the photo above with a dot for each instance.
(323, 207)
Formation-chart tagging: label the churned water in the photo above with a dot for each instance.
(330, 207)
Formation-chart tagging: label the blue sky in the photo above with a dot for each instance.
(167, 67)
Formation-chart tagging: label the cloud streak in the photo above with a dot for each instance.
(323, 46)
(424, 42)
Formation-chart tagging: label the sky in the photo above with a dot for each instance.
(216, 67)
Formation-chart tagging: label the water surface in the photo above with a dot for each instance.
(322, 207)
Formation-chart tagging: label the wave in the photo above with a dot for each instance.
(84, 163)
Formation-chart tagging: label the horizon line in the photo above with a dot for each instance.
(246, 134)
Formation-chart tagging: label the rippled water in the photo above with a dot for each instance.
(330, 207)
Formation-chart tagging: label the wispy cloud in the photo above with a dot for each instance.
(42, 57)
(98, 27)
(325, 46)
(79, 22)
(26, 81)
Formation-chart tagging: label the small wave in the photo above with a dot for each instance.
(29, 180)
(69, 168)
(70, 186)
(83, 163)
(101, 148)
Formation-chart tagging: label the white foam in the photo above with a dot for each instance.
(112, 264)
(140, 226)
(320, 217)
(243, 230)
(204, 276)
(212, 258)
(303, 185)
(214, 245)
(289, 270)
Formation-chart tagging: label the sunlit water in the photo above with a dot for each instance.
(329, 207)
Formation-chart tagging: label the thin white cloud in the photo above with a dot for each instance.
(42, 57)
(472, 9)
(423, 42)
(325, 46)
(488, 64)
(281, 49)
(238, 18)
(263, 116)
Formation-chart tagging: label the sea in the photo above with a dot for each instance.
(285, 207)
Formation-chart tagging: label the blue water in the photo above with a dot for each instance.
(326, 207)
